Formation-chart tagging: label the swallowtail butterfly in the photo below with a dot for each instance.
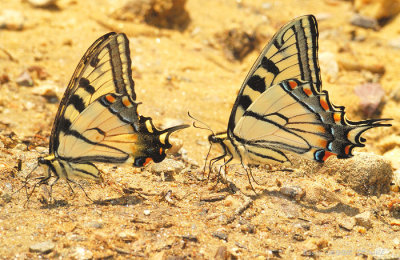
(281, 108)
(97, 120)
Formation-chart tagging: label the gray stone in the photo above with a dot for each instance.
(364, 219)
(42, 3)
(12, 20)
(364, 22)
(167, 166)
(81, 253)
(347, 223)
(366, 173)
(24, 79)
(220, 235)
(94, 224)
(293, 192)
(42, 247)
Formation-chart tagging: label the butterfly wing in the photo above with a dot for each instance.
(293, 116)
(105, 68)
(109, 130)
(291, 53)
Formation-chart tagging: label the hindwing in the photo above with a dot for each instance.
(293, 117)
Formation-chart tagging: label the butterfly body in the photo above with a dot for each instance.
(281, 108)
(98, 121)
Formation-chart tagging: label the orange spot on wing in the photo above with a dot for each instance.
(161, 150)
(323, 143)
(292, 84)
(347, 149)
(110, 98)
(307, 91)
(327, 154)
(323, 103)
(322, 129)
(337, 117)
(148, 159)
(126, 102)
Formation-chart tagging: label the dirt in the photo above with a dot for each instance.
(189, 61)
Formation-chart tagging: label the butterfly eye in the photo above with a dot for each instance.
(214, 139)
(41, 160)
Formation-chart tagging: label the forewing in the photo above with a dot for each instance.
(291, 53)
(105, 68)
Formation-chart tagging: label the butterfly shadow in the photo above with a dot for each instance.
(54, 204)
(339, 207)
(122, 201)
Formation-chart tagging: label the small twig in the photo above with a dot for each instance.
(8, 54)
(248, 201)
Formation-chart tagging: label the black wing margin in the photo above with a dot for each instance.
(104, 68)
(290, 54)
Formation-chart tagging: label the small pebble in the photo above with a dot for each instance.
(293, 192)
(223, 254)
(393, 156)
(12, 20)
(191, 238)
(47, 91)
(298, 237)
(167, 166)
(146, 212)
(213, 197)
(128, 236)
(248, 228)
(81, 253)
(24, 79)
(394, 43)
(75, 237)
(94, 224)
(378, 9)
(21, 147)
(42, 247)
(42, 3)
(371, 96)
(176, 145)
(364, 22)
(364, 219)
(347, 223)
(220, 235)
(361, 230)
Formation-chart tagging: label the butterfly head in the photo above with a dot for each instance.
(217, 138)
(45, 160)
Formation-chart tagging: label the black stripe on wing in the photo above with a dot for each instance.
(104, 68)
(294, 45)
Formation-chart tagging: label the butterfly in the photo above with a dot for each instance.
(97, 119)
(281, 108)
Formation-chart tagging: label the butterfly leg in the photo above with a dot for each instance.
(80, 186)
(216, 159)
(212, 162)
(43, 180)
(248, 173)
(51, 187)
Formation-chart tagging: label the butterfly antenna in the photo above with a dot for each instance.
(26, 181)
(207, 127)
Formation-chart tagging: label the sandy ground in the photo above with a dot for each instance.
(311, 212)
